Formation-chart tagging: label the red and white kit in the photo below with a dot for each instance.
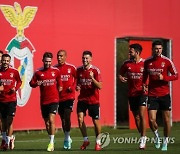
(68, 76)
(159, 65)
(50, 79)
(134, 73)
(89, 92)
(9, 78)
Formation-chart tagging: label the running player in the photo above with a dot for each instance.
(133, 68)
(10, 79)
(48, 79)
(157, 68)
(67, 95)
(88, 83)
(1, 88)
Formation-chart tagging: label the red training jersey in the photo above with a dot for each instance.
(9, 78)
(89, 92)
(50, 79)
(68, 77)
(155, 65)
(134, 72)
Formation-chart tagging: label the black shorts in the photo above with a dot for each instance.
(8, 109)
(137, 101)
(49, 108)
(93, 109)
(162, 103)
(68, 104)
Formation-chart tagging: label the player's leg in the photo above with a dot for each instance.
(152, 120)
(0, 123)
(142, 111)
(81, 113)
(3, 118)
(142, 116)
(167, 129)
(66, 116)
(94, 113)
(137, 120)
(165, 106)
(134, 107)
(153, 106)
(8, 121)
(61, 114)
(48, 112)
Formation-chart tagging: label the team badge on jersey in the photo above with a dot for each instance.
(53, 73)
(162, 64)
(11, 75)
(141, 69)
(69, 70)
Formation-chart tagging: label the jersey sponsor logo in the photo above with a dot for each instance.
(6, 81)
(133, 75)
(86, 82)
(65, 77)
(20, 48)
(141, 69)
(154, 71)
(48, 82)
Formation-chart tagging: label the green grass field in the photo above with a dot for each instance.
(36, 142)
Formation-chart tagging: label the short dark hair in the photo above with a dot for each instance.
(87, 52)
(137, 47)
(6, 55)
(47, 55)
(157, 42)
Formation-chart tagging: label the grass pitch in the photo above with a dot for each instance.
(35, 142)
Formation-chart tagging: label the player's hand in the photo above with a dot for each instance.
(91, 74)
(12, 90)
(69, 90)
(1, 88)
(145, 88)
(160, 76)
(78, 88)
(123, 79)
(60, 89)
(39, 83)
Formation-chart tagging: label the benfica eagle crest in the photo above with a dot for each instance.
(20, 48)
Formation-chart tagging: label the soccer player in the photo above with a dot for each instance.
(88, 83)
(1, 88)
(133, 69)
(67, 95)
(10, 79)
(48, 79)
(157, 68)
